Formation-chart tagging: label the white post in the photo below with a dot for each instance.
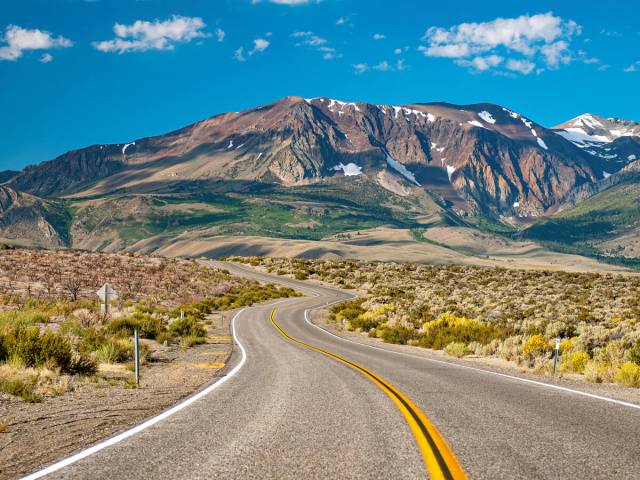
(136, 350)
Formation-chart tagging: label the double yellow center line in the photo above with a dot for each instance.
(438, 457)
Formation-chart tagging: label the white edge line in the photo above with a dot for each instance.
(148, 423)
(489, 372)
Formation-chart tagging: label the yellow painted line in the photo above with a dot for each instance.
(439, 459)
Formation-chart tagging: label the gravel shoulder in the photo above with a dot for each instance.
(36, 434)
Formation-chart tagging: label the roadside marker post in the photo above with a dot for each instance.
(555, 356)
(136, 350)
(106, 294)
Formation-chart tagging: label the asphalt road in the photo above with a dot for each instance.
(293, 412)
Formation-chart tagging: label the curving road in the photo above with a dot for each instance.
(289, 411)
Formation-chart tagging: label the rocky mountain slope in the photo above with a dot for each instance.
(33, 220)
(308, 168)
(477, 158)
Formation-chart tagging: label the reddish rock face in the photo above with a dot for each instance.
(475, 157)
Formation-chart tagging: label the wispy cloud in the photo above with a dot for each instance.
(288, 2)
(46, 58)
(17, 40)
(238, 55)
(220, 34)
(378, 36)
(381, 66)
(634, 67)
(316, 42)
(521, 43)
(142, 35)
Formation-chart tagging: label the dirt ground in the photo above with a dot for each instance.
(33, 435)
(449, 245)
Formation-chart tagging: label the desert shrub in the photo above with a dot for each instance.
(634, 353)
(400, 335)
(115, 351)
(577, 361)
(187, 327)
(26, 316)
(148, 326)
(628, 375)
(191, 340)
(19, 388)
(3, 349)
(56, 349)
(33, 349)
(165, 336)
(535, 346)
(82, 365)
(511, 348)
(448, 328)
(370, 319)
(347, 311)
(90, 340)
(598, 372)
(456, 349)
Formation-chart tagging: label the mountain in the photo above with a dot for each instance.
(606, 223)
(616, 142)
(477, 158)
(314, 168)
(33, 220)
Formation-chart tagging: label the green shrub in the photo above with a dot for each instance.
(456, 349)
(115, 351)
(148, 326)
(400, 335)
(628, 375)
(187, 327)
(448, 328)
(19, 388)
(34, 349)
(190, 341)
(82, 365)
(634, 353)
(165, 337)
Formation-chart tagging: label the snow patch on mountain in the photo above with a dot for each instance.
(631, 158)
(487, 117)
(605, 174)
(450, 170)
(127, 145)
(230, 144)
(476, 123)
(401, 169)
(541, 143)
(349, 170)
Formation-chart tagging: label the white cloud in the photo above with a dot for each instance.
(220, 34)
(481, 63)
(378, 36)
(311, 40)
(543, 38)
(382, 66)
(46, 58)
(237, 54)
(259, 45)
(521, 66)
(18, 39)
(634, 67)
(361, 68)
(142, 35)
(341, 21)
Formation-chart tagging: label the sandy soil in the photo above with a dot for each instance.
(453, 246)
(36, 434)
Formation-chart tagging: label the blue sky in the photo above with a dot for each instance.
(77, 72)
